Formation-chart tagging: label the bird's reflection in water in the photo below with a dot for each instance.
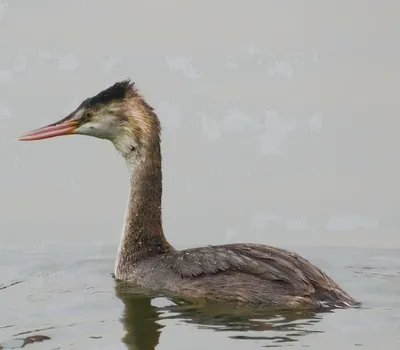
(139, 318)
(142, 325)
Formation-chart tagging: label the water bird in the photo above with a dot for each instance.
(242, 273)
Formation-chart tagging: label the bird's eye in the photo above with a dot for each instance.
(88, 115)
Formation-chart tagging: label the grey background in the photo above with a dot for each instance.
(280, 119)
(280, 122)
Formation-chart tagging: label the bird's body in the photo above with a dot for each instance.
(242, 273)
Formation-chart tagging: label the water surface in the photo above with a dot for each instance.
(73, 300)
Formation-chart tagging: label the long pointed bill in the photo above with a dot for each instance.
(52, 130)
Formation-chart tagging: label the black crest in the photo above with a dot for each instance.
(116, 92)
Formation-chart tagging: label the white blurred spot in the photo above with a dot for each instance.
(237, 121)
(184, 65)
(232, 63)
(170, 116)
(6, 75)
(3, 9)
(252, 50)
(111, 62)
(351, 222)
(276, 131)
(20, 64)
(315, 122)
(282, 69)
(260, 220)
(47, 55)
(210, 127)
(296, 224)
(315, 57)
(5, 112)
(68, 62)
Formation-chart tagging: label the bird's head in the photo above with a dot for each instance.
(118, 114)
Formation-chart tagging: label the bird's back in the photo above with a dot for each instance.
(244, 273)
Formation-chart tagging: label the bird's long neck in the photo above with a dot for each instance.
(142, 235)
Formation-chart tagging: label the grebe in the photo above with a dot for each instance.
(238, 273)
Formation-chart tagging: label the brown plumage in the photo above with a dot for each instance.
(239, 273)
